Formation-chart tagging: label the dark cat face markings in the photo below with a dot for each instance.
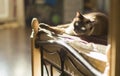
(82, 25)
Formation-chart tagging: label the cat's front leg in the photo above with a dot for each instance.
(54, 29)
(63, 25)
(45, 26)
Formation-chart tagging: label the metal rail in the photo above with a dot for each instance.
(65, 52)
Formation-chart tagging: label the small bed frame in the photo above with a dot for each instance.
(56, 58)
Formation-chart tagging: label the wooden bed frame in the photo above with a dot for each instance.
(37, 55)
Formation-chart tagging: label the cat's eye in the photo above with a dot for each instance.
(83, 28)
(76, 23)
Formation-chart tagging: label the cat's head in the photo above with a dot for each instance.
(82, 25)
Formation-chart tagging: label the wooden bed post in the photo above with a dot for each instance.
(35, 52)
(114, 37)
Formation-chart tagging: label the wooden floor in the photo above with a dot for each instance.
(15, 52)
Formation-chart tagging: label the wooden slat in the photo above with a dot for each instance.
(35, 52)
(36, 60)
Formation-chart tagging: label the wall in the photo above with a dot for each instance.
(70, 8)
(12, 10)
(20, 17)
(6, 10)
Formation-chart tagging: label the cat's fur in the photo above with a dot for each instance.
(87, 24)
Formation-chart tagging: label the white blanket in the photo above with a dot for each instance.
(97, 51)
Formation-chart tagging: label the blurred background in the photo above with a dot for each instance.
(15, 27)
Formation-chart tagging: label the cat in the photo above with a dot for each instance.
(94, 23)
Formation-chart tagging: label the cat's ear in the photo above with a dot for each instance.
(79, 15)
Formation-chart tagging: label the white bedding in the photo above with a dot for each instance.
(94, 53)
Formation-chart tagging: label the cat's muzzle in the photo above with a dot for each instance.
(83, 29)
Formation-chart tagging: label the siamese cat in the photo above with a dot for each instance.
(88, 24)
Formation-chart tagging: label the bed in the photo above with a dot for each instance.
(67, 55)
